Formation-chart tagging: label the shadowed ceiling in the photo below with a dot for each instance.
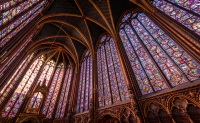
(76, 25)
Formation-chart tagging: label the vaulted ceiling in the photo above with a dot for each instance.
(76, 25)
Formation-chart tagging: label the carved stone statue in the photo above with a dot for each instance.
(91, 110)
(134, 104)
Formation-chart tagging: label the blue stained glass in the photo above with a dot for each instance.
(111, 83)
(85, 84)
(147, 47)
(176, 10)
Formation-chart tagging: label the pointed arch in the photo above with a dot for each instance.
(185, 12)
(64, 96)
(15, 102)
(111, 82)
(85, 84)
(156, 59)
(54, 89)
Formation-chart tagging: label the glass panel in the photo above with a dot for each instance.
(85, 84)
(186, 12)
(155, 58)
(19, 95)
(64, 94)
(111, 83)
(50, 102)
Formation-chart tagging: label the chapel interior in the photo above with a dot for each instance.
(99, 61)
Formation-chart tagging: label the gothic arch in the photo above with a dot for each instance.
(28, 118)
(111, 114)
(128, 114)
(187, 100)
(160, 105)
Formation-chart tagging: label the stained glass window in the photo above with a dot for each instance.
(47, 73)
(64, 96)
(186, 12)
(14, 56)
(111, 82)
(50, 101)
(85, 84)
(16, 25)
(13, 105)
(12, 81)
(35, 102)
(157, 61)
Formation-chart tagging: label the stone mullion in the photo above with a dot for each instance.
(16, 85)
(114, 67)
(126, 67)
(19, 26)
(11, 45)
(54, 92)
(139, 60)
(70, 91)
(12, 67)
(188, 39)
(48, 86)
(101, 76)
(107, 70)
(133, 89)
(85, 78)
(60, 90)
(151, 57)
(9, 73)
(18, 16)
(20, 109)
(94, 84)
(180, 7)
(31, 99)
(175, 39)
(73, 89)
(81, 86)
(89, 82)
(175, 64)
(32, 89)
(1, 3)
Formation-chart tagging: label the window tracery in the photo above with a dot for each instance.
(35, 102)
(16, 25)
(12, 81)
(186, 12)
(63, 98)
(17, 98)
(47, 73)
(111, 82)
(54, 89)
(13, 57)
(85, 84)
(157, 61)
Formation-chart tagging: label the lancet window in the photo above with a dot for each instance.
(14, 78)
(10, 10)
(35, 103)
(85, 84)
(157, 61)
(64, 96)
(186, 12)
(17, 98)
(111, 82)
(54, 89)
